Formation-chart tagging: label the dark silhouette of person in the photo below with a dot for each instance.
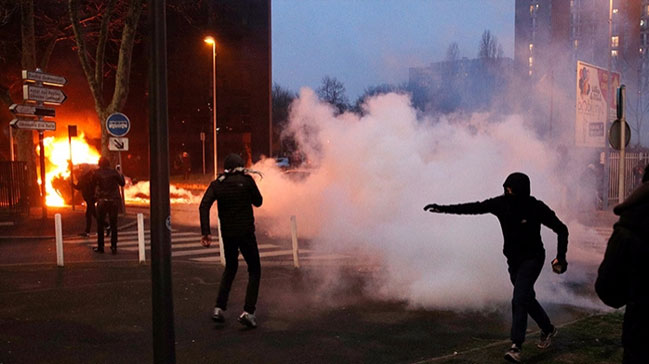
(521, 216)
(186, 164)
(87, 188)
(623, 276)
(107, 182)
(235, 192)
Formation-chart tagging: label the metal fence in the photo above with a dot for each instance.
(14, 195)
(634, 164)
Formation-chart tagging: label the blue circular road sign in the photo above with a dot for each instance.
(118, 124)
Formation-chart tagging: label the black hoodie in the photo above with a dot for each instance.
(520, 216)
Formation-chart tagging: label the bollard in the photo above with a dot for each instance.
(59, 239)
(221, 250)
(140, 237)
(296, 250)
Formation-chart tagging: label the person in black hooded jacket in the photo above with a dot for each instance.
(235, 192)
(623, 276)
(521, 216)
(107, 182)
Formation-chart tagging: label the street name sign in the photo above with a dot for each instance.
(118, 124)
(32, 110)
(33, 124)
(45, 78)
(118, 144)
(47, 95)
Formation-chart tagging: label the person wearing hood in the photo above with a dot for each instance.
(521, 216)
(235, 192)
(107, 182)
(623, 276)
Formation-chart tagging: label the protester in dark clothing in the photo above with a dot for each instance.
(623, 276)
(107, 182)
(235, 193)
(520, 216)
(87, 189)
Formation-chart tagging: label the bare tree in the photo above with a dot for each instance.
(332, 91)
(107, 17)
(489, 49)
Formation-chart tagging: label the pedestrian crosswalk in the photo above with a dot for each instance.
(187, 245)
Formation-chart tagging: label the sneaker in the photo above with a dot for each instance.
(248, 319)
(513, 354)
(217, 316)
(546, 338)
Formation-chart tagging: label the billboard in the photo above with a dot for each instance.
(593, 106)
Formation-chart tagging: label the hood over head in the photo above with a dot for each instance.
(519, 183)
(232, 161)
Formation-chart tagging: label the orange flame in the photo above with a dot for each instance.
(57, 155)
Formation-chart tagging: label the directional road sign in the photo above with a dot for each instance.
(33, 124)
(118, 144)
(45, 78)
(32, 110)
(118, 124)
(47, 95)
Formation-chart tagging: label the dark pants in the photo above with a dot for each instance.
(248, 247)
(523, 275)
(107, 207)
(91, 213)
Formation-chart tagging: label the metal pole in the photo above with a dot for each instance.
(622, 174)
(71, 170)
(216, 159)
(162, 294)
(11, 144)
(42, 163)
(203, 145)
(607, 161)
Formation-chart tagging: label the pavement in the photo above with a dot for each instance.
(97, 308)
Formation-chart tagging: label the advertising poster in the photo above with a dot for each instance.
(593, 104)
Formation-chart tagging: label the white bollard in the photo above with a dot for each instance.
(140, 237)
(221, 250)
(58, 229)
(296, 249)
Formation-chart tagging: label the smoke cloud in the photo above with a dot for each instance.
(370, 177)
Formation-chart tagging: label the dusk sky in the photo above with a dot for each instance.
(367, 42)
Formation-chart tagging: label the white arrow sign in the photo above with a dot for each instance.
(32, 110)
(45, 78)
(118, 144)
(33, 124)
(48, 95)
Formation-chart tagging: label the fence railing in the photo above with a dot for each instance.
(14, 194)
(634, 164)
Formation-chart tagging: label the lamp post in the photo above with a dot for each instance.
(211, 41)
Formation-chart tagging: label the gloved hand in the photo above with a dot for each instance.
(559, 265)
(206, 240)
(433, 207)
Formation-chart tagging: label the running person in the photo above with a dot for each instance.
(520, 216)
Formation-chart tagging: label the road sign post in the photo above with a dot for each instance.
(118, 125)
(72, 132)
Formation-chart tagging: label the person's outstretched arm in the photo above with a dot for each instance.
(471, 208)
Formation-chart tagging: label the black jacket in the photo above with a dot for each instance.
(107, 182)
(236, 193)
(623, 276)
(86, 186)
(520, 220)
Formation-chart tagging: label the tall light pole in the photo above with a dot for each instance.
(212, 42)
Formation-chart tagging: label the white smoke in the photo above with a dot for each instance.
(371, 177)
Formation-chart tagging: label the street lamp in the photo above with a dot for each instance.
(212, 42)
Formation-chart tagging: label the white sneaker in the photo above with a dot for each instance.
(248, 319)
(218, 316)
(546, 339)
(513, 354)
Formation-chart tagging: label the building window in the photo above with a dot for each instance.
(615, 41)
(615, 11)
(531, 9)
(531, 47)
(530, 62)
(643, 23)
(576, 43)
(641, 50)
(614, 53)
(646, 10)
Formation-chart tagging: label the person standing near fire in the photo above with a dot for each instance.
(107, 182)
(235, 192)
(87, 188)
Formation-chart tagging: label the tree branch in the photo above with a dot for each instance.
(101, 45)
(123, 72)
